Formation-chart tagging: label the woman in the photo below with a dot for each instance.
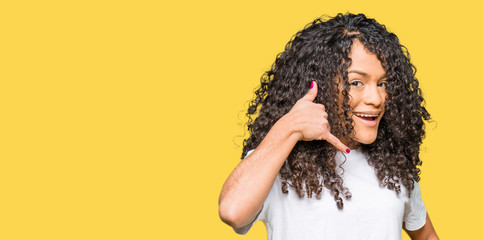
(342, 84)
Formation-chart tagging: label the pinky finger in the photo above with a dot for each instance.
(337, 143)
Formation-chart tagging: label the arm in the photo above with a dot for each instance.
(427, 232)
(247, 187)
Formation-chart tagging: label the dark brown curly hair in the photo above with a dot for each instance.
(319, 53)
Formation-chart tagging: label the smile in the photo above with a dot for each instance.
(373, 116)
(369, 119)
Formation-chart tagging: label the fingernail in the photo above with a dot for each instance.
(347, 150)
(311, 84)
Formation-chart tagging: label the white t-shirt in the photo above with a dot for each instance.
(374, 212)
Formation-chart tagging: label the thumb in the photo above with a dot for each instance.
(310, 96)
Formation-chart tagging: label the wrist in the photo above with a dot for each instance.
(288, 129)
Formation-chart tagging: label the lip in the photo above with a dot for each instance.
(367, 120)
(368, 112)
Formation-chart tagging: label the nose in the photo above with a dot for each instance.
(374, 95)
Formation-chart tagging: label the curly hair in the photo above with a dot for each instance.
(320, 53)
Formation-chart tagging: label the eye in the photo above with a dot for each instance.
(382, 84)
(355, 83)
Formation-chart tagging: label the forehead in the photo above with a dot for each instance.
(365, 61)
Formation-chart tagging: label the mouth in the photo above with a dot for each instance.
(367, 116)
(370, 118)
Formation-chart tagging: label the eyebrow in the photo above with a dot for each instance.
(365, 74)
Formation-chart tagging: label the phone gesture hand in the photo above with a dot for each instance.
(310, 120)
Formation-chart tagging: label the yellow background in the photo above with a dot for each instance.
(121, 119)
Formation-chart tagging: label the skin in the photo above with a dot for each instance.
(367, 79)
(247, 187)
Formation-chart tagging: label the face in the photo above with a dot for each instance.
(367, 80)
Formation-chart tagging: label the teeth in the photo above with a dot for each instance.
(364, 115)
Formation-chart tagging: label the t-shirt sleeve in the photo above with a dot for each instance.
(415, 210)
(261, 215)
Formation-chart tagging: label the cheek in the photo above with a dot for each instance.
(383, 94)
(354, 99)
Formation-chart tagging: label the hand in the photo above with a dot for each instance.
(310, 120)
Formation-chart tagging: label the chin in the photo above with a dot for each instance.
(367, 139)
(367, 142)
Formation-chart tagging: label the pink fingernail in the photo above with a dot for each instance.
(347, 150)
(311, 85)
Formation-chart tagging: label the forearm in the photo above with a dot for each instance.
(247, 187)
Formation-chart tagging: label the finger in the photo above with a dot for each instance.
(321, 107)
(310, 96)
(337, 143)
